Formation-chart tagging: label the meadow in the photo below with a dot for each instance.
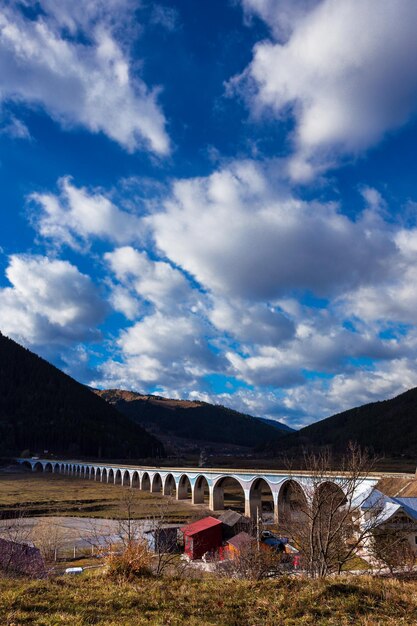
(57, 495)
(95, 599)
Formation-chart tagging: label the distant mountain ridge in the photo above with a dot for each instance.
(41, 408)
(388, 427)
(193, 420)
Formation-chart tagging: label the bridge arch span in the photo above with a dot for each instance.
(170, 487)
(145, 482)
(261, 500)
(184, 489)
(156, 485)
(291, 503)
(233, 488)
(126, 479)
(48, 468)
(135, 480)
(201, 490)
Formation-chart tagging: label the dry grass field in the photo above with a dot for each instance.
(53, 494)
(94, 599)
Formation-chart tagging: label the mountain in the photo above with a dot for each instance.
(388, 427)
(41, 408)
(278, 425)
(184, 423)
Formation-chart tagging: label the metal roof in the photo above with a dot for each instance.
(240, 540)
(202, 524)
(230, 518)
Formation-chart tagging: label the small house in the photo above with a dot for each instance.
(233, 523)
(240, 542)
(162, 539)
(201, 537)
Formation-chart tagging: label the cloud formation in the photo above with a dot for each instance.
(49, 302)
(347, 74)
(237, 235)
(76, 215)
(85, 80)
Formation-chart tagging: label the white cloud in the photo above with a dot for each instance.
(280, 15)
(15, 128)
(161, 351)
(76, 215)
(251, 323)
(154, 281)
(238, 236)
(49, 301)
(347, 73)
(86, 83)
(321, 399)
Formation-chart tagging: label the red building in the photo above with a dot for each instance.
(202, 536)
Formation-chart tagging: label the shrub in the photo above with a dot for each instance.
(135, 560)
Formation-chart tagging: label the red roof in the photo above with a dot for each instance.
(202, 524)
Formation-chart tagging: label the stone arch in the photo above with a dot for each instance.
(156, 486)
(27, 465)
(118, 477)
(48, 468)
(261, 500)
(292, 502)
(228, 491)
(126, 479)
(201, 490)
(97, 473)
(170, 488)
(92, 472)
(184, 489)
(55, 468)
(82, 471)
(145, 482)
(104, 475)
(110, 476)
(38, 467)
(135, 480)
(328, 496)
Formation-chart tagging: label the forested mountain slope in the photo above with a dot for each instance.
(41, 408)
(388, 428)
(190, 420)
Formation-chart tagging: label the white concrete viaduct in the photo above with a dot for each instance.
(191, 483)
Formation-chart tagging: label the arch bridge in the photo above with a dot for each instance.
(271, 492)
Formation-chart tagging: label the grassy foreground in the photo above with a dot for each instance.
(95, 599)
(54, 494)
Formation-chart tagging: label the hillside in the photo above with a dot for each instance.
(94, 598)
(41, 408)
(189, 422)
(388, 427)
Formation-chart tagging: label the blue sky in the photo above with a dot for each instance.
(213, 200)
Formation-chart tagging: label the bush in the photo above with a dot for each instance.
(133, 562)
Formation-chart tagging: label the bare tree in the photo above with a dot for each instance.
(130, 529)
(327, 519)
(389, 548)
(50, 537)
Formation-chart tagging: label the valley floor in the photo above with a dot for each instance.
(94, 599)
(53, 494)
